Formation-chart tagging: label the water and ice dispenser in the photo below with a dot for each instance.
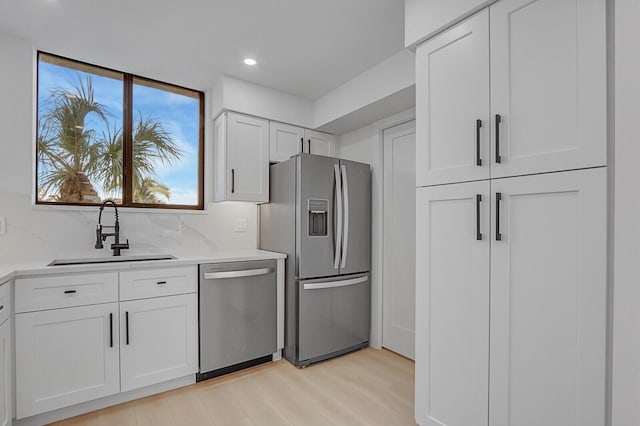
(318, 211)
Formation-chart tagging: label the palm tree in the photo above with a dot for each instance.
(72, 159)
(67, 150)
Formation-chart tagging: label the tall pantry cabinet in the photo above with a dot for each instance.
(511, 217)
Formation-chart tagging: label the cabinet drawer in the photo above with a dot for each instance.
(158, 282)
(61, 291)
(5, 301)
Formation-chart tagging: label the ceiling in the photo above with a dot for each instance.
(303, 47)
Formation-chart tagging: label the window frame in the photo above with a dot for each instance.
(127, 134)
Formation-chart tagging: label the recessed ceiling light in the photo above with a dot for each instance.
(250, 61)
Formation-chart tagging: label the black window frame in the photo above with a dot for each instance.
(127, 130)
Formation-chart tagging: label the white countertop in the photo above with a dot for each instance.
(11, 271)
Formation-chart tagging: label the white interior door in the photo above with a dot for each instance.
(548, 299)
(452, 305)
(398, 333)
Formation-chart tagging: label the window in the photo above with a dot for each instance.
(104, 134)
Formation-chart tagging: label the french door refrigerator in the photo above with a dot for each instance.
(319, 214)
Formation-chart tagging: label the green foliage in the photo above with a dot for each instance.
(73, 159)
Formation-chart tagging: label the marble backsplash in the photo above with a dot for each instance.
(42, 233)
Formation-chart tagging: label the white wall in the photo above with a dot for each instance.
(34, 232)
(626, 313)
(366, 145)
(250, 98)
(425, 18)
(390, 76)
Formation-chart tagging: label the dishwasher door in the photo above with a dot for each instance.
(238, 313)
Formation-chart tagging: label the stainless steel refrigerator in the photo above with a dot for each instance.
(319, 214)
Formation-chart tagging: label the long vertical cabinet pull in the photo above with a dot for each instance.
(111, 330)
(309, 145)
(478, 127)
(478, 233)
(498, 199)
(233, 180)
(498, 122)
(126, 325)
(336, 257)
(345, 196)
(301, 144)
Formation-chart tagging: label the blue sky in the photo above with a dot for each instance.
(177, 113)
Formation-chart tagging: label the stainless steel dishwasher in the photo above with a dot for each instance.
(238, 316)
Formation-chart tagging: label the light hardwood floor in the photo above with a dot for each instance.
(368, 387)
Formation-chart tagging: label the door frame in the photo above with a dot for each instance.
(377, 219)
(386, 261)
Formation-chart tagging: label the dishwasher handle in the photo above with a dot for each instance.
(238, 274)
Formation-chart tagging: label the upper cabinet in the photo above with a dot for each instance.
(241, 158)
(286, 140)
(319, 143)
(548, 85)
(452, 98)
(536, 103)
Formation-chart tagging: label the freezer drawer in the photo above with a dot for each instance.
(334, 315)
(238, 308)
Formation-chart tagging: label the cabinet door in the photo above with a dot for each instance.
(284, 141)
(319, 143)
(159, 340)
(247, 158)
(548, 300)
(548, 85)
(66, 356)
(452, 105)
(452, 304)
(6, 379)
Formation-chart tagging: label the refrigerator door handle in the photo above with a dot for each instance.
(338, 245)
(345, 195)
(333, 284)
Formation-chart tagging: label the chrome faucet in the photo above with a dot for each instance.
(100, 236)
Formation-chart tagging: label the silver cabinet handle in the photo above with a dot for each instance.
(345, 195)
(336, 257)
(332, 284)
(238, 274)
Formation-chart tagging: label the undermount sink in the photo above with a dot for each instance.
(112, 259)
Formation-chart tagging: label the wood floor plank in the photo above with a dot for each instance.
(368, 387)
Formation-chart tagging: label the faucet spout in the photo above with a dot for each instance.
(101, 236)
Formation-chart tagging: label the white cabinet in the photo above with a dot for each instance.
(452, 312)
(548, 300)
(66, 356)
(540, 71)
(159, 340)
(6, 370)
(548, 85)
(319, 143)
(241, 158)
(452, 103)
(285, 141)
(545, 245)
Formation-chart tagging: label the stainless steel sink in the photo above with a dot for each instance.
(113, 259)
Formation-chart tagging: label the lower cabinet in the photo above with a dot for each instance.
(66, 356)
(511, 301)
(6, 402)
(158, 340)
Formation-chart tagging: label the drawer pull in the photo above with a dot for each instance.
(1, 308)
(161, 282)
(70, 292)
